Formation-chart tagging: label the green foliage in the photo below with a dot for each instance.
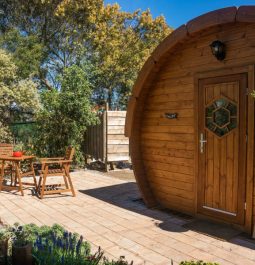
(76, 51)
(122, 42)
(19, 235)
(198, 263)
(15, 94)
(61, 33)
(54, 34)
(24, 133)
(5, 234)
(18, 147)
(27, 51)
(65, 116)
(121, 261)
(61, 248)
(56, 246)
(5, 134)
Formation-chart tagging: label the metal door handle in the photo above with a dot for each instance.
(202, 141)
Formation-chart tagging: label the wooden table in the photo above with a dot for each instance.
(16, 164)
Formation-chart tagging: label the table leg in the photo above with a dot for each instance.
(17, 165)
(12, 177)
(2, 176)
(33, 170)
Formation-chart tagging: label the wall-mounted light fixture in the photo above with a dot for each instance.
(218, 49)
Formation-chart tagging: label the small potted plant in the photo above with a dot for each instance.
(18, 150)
(21, 247)
(4, 238)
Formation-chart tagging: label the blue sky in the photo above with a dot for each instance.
(178, 12)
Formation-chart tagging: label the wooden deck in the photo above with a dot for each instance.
(108, 212)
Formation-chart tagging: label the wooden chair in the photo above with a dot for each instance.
(63, 169)
(7, 150)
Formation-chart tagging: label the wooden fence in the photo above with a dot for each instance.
(106, 141)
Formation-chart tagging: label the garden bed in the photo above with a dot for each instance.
(45, 245)
(34, 245)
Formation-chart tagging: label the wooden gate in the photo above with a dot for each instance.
(106, 141)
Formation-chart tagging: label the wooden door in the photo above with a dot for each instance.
(222, 147)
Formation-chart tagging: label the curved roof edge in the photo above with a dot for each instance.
(211, 19)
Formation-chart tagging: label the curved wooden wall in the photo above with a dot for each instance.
(163, 156)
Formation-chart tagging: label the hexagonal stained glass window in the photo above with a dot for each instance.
(221, 116)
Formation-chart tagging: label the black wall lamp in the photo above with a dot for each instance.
(218, 49)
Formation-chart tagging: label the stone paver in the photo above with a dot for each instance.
(108, 212)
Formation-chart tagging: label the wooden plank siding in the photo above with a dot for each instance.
(106, 141)
(117, 143)
(94, 143)
(167, 148)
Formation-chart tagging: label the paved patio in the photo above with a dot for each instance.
(109, 213)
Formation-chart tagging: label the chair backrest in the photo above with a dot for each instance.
(6, 149)
(69, 153)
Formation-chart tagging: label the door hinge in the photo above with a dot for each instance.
(245, 206)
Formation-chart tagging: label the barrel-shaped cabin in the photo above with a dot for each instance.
(190, 119)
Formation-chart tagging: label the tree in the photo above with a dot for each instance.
(27, 52)
(120, 42)
(70, 32)
(15, 94)
(56, 35)
(65, 116)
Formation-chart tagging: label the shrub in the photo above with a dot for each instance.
(20, 236)
(65, 116)
(56, 246)
(121, 261)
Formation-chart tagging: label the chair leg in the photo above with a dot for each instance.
(43, 186)
(33, 170)
(11, 175)
(35, 182)
(71, 184)
(66, 182)
(15, 180)
(2, 176)
(18, 178)
(39, 184)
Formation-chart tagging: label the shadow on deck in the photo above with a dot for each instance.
(127, 196)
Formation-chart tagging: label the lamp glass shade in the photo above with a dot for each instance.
(218, 50)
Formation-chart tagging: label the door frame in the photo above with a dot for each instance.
(250, 71)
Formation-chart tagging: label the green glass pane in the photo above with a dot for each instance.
(209, 111)
(218, 117)
(220, 102)
(221, 117)
(210, 125)
(232, 108)
(233, 124)
(221, 131)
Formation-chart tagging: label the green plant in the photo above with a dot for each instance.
(198, 263)
(16, 95)
(4, 238)
(5, 234)
(18, 147)
(20, 236)
(120, 261)
(58, 247)
(65, 115)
